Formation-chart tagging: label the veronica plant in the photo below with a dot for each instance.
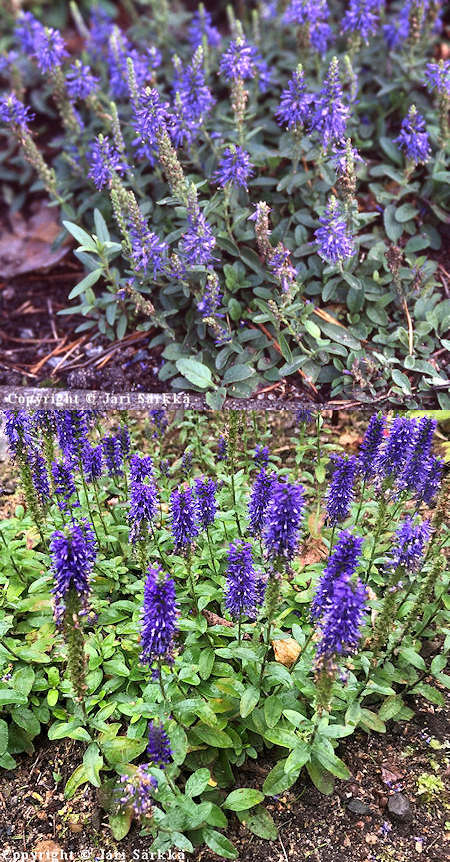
(205, 614)
(157, 141)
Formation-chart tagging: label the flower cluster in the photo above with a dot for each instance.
(73, 554)
(413, 138)
(240, 589)
(159, 618)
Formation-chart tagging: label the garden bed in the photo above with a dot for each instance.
(256, 223)
(311, 826)
(257, 708)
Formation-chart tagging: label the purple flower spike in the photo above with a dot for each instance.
(340, 627)
(340, 492)
(343, 561)
(335, 244)
(14, 112)
(437, 77)
(370, 447)
(198, 242)
(295, 107)
(149, 253)
(159, 618)
(104, 161)
(206, 490)
(200, 27)
(282, 519)
(430, 486)
(240, 590)
(413, 138)
(158, 747)
(185, 518)
(414, 472)
(261, 456)
(143, 508)
(239, 60)
(137, 790)
(259, 500)
(330, 113)
(63, 485)
(49, 49)
(80, 82)
(150, 118)
(396, 447)
(92, 460)
(234, 168)
(141, 468)
(113, 454)
(409, 544)
(362, 16)
(73, 553)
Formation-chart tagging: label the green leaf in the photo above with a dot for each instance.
(278, 780)
(179, 744)
(197, 782)
(120, 824)
(430, 693)
(320, 777)
(238, 372)
(219, 844)
(90, 279)
(372, 721)
(298, 758)
(27, 720)
(206, 662)
(215, 399)
(52, 696)
(391, 706)
(353, 714)
(100, 226)
(3, 736)
(393, 229)
(93, 762)
(242, 799)
(352, 281)
(330, 761)
(80, 235)
(260, 822)
(272, 710)
(71, 729)
(249, 700)
(401, 380)
(412, 657)
(405, 212)
(212, 736)
(23, 679)
(438, 664)
(391, 151)
(194, 371)
(8, 696)
(7, 762)
(78, 777)
(122, 749)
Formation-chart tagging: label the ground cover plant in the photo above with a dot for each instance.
(268, 198)
(183, 599)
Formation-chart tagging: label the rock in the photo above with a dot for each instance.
(399, 808)
(357, 806)
(48, 851)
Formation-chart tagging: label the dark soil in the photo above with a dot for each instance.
(311, 826)
(38, 346)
